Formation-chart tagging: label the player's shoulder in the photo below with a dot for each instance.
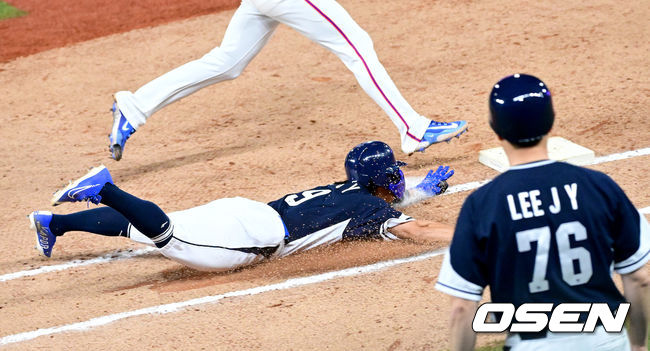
(352, 194)
(350, 188)
(546, 169)
(597, 176)
(594, 177)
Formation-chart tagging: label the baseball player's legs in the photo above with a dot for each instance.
(137, 236)
(222, 235)
(247, 33)
(329, 24)
(599, 340)
(124, 212)
(103, 221)
(213, 259)
(203, 258)
(150, 219)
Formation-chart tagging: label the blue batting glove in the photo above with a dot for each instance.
(435, 182)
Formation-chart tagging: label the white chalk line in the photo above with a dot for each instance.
(621, 156)
(116, 256)
(176, 306)
(120, 255)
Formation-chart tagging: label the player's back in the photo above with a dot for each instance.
(331, 213)
(550, 232)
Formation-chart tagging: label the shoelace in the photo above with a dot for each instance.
(94, 199)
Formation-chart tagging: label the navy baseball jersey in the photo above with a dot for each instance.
(545, 232)
(339, 211)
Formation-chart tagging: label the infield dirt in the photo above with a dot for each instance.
(283, 126)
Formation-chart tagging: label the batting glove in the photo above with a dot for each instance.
(435, 183)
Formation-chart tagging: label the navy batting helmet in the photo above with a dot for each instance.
(373, 164)
(521, 110)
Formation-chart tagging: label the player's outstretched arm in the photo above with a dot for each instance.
(636, 286)
(423, 231)
(462, 314)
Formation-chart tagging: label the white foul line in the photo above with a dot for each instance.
(621, 156)
(116, 256)
(410, 180)
(173, 307)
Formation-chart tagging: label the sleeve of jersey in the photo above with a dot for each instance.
(391, 222)
(461, 274)
(632, 246)
(373, 218)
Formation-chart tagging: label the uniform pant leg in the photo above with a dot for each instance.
(191, 249)
(206, 258)
(198, 256)
(329, 24)
(246, 35)
(222, 235)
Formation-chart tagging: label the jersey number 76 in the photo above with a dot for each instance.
(567, 254)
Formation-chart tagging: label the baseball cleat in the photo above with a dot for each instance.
(86, 188)
(441, 131)
(120, 132)
(40, 222)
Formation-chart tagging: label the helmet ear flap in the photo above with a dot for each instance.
(398, 188)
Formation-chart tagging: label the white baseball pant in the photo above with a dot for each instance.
(216, 236)
(323, 21)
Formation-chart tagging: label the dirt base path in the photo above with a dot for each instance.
(57, 23)
(285, 125)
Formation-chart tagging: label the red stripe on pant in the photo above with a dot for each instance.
(367, 68)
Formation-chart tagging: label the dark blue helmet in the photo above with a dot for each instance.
(521, 110)
(373, 164)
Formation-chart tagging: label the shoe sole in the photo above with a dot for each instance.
(32, 225)
(117, 152)
(449, 136)
(115, 149)
(55, 198)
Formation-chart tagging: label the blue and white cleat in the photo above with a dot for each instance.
(441, 131)
(86, 188)
(120, 132)
(40, 221)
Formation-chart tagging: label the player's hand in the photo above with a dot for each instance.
(435, 183)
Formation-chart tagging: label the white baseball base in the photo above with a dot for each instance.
(559, 149)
